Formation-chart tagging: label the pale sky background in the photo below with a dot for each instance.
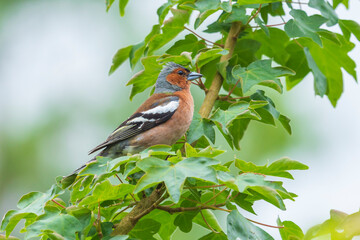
(55, 56)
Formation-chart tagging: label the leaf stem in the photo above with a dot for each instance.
(263, 224)
(193, 32)
(132, 195)
(271, 25)
(211, 186)
(57, 203)
(253, 16)
(203, 217)
(215, 196)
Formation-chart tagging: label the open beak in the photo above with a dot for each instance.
(193, 76)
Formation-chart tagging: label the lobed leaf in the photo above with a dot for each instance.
(261, 72)
(304, 26)
(174, 175)
(278, 168)
(238, 227)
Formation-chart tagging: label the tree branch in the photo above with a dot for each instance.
(216, 84)
(141, 209)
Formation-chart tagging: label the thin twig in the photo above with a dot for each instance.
(296, 41)
(253, 16)
(132, 195)
(203, 217)
(263, 224)
(222, 46)
(57, 203)
(211, 186)
(215, 196)
(234, 196)
(271, 25)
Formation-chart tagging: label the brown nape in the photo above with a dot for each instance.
(178, 77)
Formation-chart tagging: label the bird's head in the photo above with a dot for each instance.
(174, 77)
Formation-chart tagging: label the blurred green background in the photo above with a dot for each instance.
(57, 102)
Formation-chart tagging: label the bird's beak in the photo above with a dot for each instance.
(193, 76)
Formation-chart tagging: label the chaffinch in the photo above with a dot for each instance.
(162, 119)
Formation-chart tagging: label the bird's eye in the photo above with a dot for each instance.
(180, 73)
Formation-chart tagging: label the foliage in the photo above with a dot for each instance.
(166, 188)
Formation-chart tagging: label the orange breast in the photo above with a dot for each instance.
(173, 129)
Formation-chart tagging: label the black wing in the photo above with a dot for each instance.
(159, 113)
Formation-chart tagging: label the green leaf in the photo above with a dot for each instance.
(285, 121)
(290, 230)
(272, 46)
(243, 201)
(81, 188)
(30, 205)
(304, 26)
(108, 4)
(246, 49)
(297, 62)
(237, 130)
(101, 166)
(337, 2)
(260, 72)
(200, 127)
(166, 220)
(260, 95)
(136, 53)
(145, 229)
(226, 121)
(279, 168)
(246, 2)
(206, 8)
(268, 194)
(189, 44)
(274, 9)
(330, 59)
(147, 77)
(210, 219)
(238, 13)
(174, 175)
(260, 23)
(214, 236)
(256, 185)
(340, 226)
(120, 57)
(326, 10)
(320, 84)
(209, 152)
(184, 220)
(218, 27)
(207, 56)
(348, 27)
(122, 5)
(225, 117)
(238, 227)
(106, 191)
(54, 222)
(171, 29)
(163, 10)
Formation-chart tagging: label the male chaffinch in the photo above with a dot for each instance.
(162, 119)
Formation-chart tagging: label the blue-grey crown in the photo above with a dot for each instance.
(162, 85)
